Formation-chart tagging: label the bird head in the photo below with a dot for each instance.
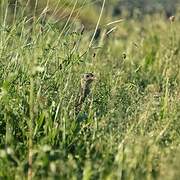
(87, 79)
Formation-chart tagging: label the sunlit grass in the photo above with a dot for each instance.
(131, 129)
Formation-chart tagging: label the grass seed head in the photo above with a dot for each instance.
(172, 18)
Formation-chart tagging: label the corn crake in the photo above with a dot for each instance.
(85, 90)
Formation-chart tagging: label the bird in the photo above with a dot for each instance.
(85, 89)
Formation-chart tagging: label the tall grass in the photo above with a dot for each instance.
(130, 122)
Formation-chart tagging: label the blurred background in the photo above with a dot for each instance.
(87, 11)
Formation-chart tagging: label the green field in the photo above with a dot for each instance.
(129, 125)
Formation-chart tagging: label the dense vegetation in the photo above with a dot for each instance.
(141, 7)
(129, 126)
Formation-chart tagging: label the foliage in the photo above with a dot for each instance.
(132, 130)
(142, 7)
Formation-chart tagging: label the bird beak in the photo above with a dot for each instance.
(93, 78)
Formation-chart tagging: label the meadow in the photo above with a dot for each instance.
(130, 124)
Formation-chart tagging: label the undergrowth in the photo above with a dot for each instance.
(131, 129)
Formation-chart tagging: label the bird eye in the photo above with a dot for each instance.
(87, 76)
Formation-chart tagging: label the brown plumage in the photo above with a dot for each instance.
(85, 89)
